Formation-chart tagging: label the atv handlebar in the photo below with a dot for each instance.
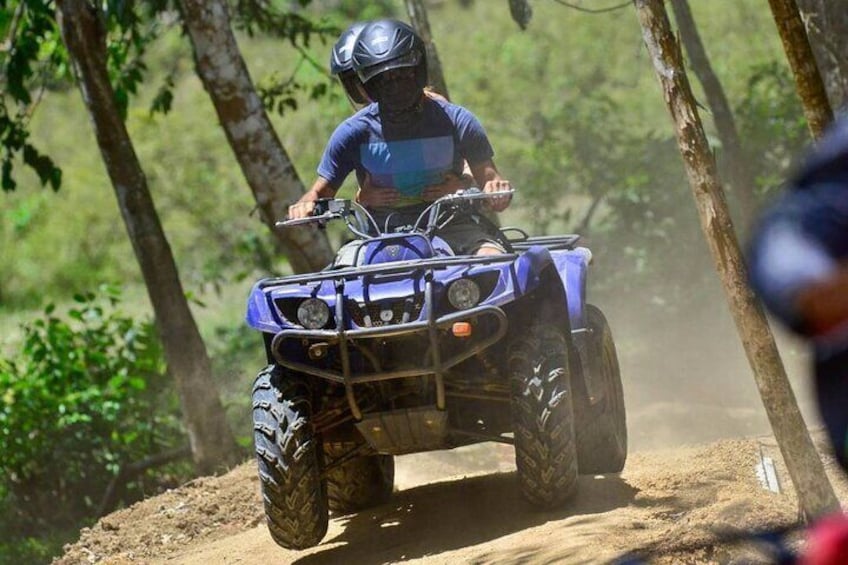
(473, 193)
(327, 209)
(455, 201)
(301, 221)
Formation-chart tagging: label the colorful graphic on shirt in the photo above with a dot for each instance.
(409, 165)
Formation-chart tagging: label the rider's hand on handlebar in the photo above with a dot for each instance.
(498, 203)
(451, 184)
(301, 209)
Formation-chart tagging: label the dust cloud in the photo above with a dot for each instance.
(686, 377)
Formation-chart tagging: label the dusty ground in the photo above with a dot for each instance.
(671, 502)
(697, 428)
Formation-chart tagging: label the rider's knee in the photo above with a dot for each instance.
(490, 248)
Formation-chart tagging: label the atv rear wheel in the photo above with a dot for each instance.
(360, 483)
(542, 415)
(602, 427)
(288, 454)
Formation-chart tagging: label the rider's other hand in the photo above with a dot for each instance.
(498, 203)
(372, 196)
(452, 183)
(302, 209)
(377, 197)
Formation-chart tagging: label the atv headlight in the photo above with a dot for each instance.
(313, 313)
(463, 294)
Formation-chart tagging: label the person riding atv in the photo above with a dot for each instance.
(407, 141)
(341, 66)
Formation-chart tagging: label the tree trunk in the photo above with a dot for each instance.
(741, 179)
(826, 21)
(815, 493)
(212, 443)
(263, 159)
(807, 78)
(418, 16)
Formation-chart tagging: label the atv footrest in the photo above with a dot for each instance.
(405, 431)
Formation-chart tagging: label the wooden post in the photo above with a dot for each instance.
(815, 494)
(808, 81)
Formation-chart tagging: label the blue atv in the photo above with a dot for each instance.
(401, 346)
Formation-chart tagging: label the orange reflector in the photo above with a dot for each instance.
(461, 329)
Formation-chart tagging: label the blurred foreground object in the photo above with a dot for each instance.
(799, 267)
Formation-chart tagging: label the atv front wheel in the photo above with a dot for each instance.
(543, 420)
(602, 427)
(288, 454)
(360, 483)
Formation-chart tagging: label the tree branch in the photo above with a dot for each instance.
(131, 470)
(593, 10)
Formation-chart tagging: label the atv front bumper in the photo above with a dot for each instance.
(429, 326)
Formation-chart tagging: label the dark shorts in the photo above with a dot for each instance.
(468, 234)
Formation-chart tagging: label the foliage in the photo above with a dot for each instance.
(86, 394)
(280, 92)
(32, 32)
(37, 61)
(771, 122)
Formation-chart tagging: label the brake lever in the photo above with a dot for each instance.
(322, 219)
(477, 194)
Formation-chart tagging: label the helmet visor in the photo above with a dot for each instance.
(410, 59)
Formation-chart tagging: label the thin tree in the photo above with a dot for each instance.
(827, 27)
(264, 161)
(212, 442)
(808, 80)
(815, 494)
(418, 16)
(741, 179)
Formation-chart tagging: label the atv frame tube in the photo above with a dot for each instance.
(342, 338)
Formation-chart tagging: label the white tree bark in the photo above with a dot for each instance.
(263, 159)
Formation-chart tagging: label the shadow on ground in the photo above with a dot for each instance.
(440, 517)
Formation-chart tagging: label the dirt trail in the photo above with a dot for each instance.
(671, 501)
(462, 506)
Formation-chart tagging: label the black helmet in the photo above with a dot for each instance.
(384, 45)
(341, 63)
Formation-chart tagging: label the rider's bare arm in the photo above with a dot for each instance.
(303, 207)
(489, 179)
